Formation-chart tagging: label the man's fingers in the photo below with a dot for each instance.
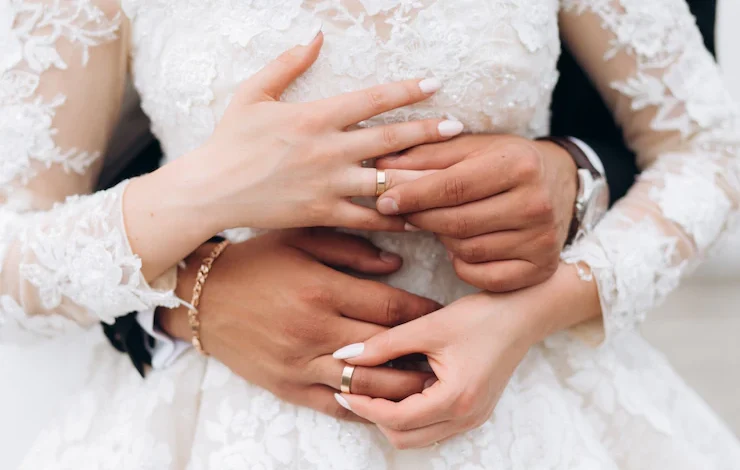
(270, 82)
(467, 181)
(358, 181)
(440, 155)
(502, 276)
(321, 398)
(505, 211)
(349, 215)
(497, 246)
(343, 250)
(381, 304)
(350, 108)
(376, 382)
(426, 157)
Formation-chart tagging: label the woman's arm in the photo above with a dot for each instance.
(268, 165)
(649, 63)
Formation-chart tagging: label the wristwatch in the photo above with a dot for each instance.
(592, 197)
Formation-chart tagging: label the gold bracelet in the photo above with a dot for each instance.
(200, 280)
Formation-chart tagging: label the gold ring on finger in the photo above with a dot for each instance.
(380, 185)
(346, 384)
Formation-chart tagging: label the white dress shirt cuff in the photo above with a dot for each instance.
(166, 350)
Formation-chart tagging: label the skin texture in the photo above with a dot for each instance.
(498, 327)
(501, 204)
(273, 310)
(271, 164)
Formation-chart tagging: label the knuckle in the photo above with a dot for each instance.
(460, 226)
(464, 404)
(390, 137)
(541, 208)
(376, 100)
(472, 252)
(454, 190)
(529, 165)
(315, 295)
(393, 310)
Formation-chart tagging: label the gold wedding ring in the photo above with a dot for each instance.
(380, 182)
(347, 373)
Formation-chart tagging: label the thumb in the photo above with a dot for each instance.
(388, 345)
(270, 82)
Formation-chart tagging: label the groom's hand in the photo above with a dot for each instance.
(274, 312)
(501, 204)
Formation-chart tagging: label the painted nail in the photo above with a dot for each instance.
(350, 351)
(390, 258)
(342, 401)
(387, 206)
(450, 128)
(411, 228)
(313, 36)
(430, 381)
(430, 85)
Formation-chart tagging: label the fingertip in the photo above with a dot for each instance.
(387, 205)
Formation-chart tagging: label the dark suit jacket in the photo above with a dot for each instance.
(578, 111)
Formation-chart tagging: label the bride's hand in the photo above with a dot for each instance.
(271, 164)
(473, 345)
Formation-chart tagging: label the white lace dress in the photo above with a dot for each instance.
(67, 263)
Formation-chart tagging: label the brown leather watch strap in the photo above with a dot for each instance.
(578, 156)
(582, 162)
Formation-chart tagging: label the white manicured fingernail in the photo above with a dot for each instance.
(430, 85)
(411, 228)
(316, 32)
(450, 128)
(342, 401)
(387, 206)
(430, 381)
(348, 352)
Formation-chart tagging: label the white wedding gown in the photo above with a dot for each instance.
(568, 405)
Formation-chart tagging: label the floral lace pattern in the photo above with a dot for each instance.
(567, 406)
(28, 34)
(69, 266)
(638, 254)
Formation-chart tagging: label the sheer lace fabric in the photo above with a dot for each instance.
(567, 406)
(61, 78)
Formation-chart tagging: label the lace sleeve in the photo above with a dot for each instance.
(648, 60)
(63, 263)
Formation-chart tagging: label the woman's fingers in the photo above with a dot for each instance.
(321, 398)
(370, 142)
(358, 181)
(409, 338)
(383, 382)
(350, 108)
(432, 406)
(422, 437)
(270, 82)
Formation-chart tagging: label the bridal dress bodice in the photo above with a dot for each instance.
(67, 262)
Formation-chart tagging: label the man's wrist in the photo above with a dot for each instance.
(174, 321)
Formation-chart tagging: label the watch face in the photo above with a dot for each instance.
(596, 205)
